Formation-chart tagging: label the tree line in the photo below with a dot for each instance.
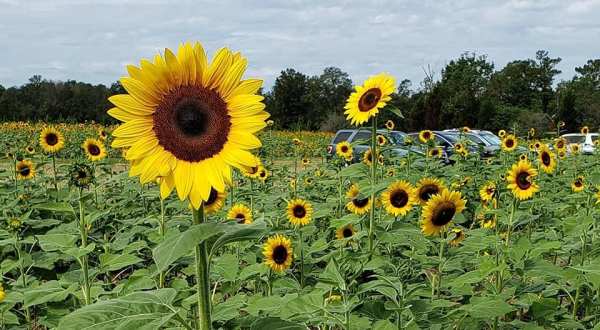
(469, 91)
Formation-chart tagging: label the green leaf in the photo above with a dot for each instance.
(395, 111)
(56, 242)
(179, 245)
(276, 323)
(139, 310)
(49, 291)
(57, 207)
(239, 233)
(331, 275)
(113, 262)
(357, 170)
(487, 307)
(77, 252)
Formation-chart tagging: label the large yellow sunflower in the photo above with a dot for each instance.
(215, 201)
(426, 136)
(546, 158)
(367, 99)
(398, 198)
(240, 213)
(427, 187)
(357, 205)
(25, 170)
(520, 180)
(440, 211)
(51, 140)
(488, 191)
(299, 212)
(560, 144)
(578, 184)
(278, 253)
(188, 120)
(509, 143)
(435, 152)
(345, 232)
(94, 149)
(344, 150)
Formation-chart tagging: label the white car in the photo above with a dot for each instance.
(585, 141)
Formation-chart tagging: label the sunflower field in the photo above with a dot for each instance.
(185, 216)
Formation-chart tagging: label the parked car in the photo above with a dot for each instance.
(585, 141)
(446, 140)
(361, 141)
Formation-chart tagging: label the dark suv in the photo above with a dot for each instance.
(361, 141)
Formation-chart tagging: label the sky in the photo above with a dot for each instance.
(93, 41)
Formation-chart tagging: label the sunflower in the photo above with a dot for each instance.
(523, 157)
(531, 132)
(458, 235)
(381, 140)
(357, 205)
(440, 211)
(278, 253)
(547, 159)
(537, 145)
(293, 183)
(574, 148)
(560, 144)
(270, 122)
(102, 135)
(380, 160)
(81, 175)
(25, 170)
(501, 133)
(345, 232)
(390, 172)
(94, 149)
(368, 157)
(398, 198)
(51, 140)
(30, 150)
(367, 99)
(252, 171)
(305, 161)
(427, 187)
(215, 201)
(562, 154)
(509, 143)
(426, 136)
(488, 191)
(435, 152)
(598, 195)
(297, 142)
(240, 213)
(308, 181)
(465, 129)
(10, 155)
(578, 184)
(262, 173)
(520, 180)
(487, 220)
(299, 212)
(344, 150)
(189, 121)
(585, 130)
(389, 125)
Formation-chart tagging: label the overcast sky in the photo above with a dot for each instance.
(92, 41)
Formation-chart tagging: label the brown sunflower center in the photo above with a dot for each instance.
(509, 143)
(24, 171)
(192, 123)
(443, 214)
(262, 174)
(51, 139)
(212, 197)
(299, 211)
(546, 158)
(360, 202)
(93, 149)
(344, 149)
(280, 254)
(426, 135)
(523, 181)
(560, 145)
(399, 198)
(347, 232)
(369, 99)
(578, 183)
(427, 191)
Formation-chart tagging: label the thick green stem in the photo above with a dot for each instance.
(54, 172)
(374, 159)
(23, 275)
(300, 246)
(202, 279)
(161, 231)
(440, 265)
(84, 259)
(510, 221)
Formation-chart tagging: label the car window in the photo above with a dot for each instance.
(398, 138)
(474, 139)
(575, 139)
(362, 136)
(342, 136)
(441, 142)
(595, 137)
(491, 138)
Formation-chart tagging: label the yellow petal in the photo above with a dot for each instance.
(133, 128)
(122, 115)
(248, 86)
(244, 139)
(140, 92)
(131, 105)
(232, 78)
(166, 186)
(183, 178)
(201, 63)
(217, 69)
(201, 184)
(177, 74)
(142, 148)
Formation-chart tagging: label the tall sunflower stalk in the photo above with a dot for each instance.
(83, 260)
(373, 173)
(161, 232)
(202, 276)
(23, 273)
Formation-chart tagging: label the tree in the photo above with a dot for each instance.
(289, 104)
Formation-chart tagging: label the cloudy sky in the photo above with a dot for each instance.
(93, 40)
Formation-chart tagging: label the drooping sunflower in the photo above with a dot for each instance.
(435, 152)
(278, 253)
(547, 159)
(381, 140)
(520, 180)
(356, 204)
(509, 143)
(488, 191)
(585, 130)
(30, 150)
(368, 157)
(240, 213)
(578, 184)
(25, 170)
(94, 149)
(344, 150)
(390, 125)
(299, 212)
(560, 144)
(81, 175)
(501, 133)
(51, 140)
(574, 148)
(252, 171)
(426, 136)
(440, 211)
(367, 99)
(189, 121)
(427, 187)
(458, 235)
(102, 134)
(487, 219)
(215, 201)
(345, 232)
(398, 198)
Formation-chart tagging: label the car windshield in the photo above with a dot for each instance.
(450, 137)
(491, 138)
(595, 137)
(575, 138)
(397, 137)
(475, 139)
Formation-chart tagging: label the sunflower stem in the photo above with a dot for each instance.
(300, 241)
(83, 259)
(23, 275)
(202, 279)
(440, 265)
(161, 231)
(16, 177)
(374, 159)
(54, 172)
(510, 221)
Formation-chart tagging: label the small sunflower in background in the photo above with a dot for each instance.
(305, 162)
(240, 213)
(299, 212)
(10, 156)
(488, 191)
(297, 141)
(523, 157)
(597, 194)
(461, 149)
(391, 172)
(458, 235)
(344, 150)
(547, 159)
(356, 204)
(408, 141)
(440, 210)
(537, 144)
(465, 129)
(560, 144)
(278, 253)
(520, 180)
(30, 150)
(94, 149)
(562, 154)
(345, 232)
(435, 152)
(214, 202)
(102, 134)
(399, 198)
(367, 99)
(380, 160)
(25, 170)
(426, 136)
(531, 132)
(381, 140)
(501, 133)
(368, 157)
(574, 148)
(14, 224)
(308, 181)
(390, 125)
(293, 183)
(2, 293)
(509, 143)
(252, 171)
(318, 173)
(427, 187)
(81, 175)
(585, 130)
(578, 184)
(262, 173)
(487, 220)
(51, 140)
